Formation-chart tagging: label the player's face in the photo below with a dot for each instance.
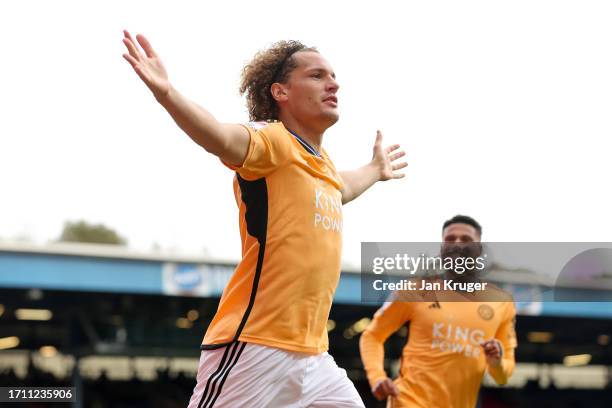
(458, 233)
(460, 241)
(311, 90)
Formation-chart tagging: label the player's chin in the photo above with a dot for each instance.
(331, 115)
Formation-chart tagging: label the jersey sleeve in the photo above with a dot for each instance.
(506, 335)
(507, 332)
(269, 148)
(387, 320)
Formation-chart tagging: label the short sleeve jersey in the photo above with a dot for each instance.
(290, 215)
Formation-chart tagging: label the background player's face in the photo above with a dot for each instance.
(458, 233)
(460, 240)
(311, 91)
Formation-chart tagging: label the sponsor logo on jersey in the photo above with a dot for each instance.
(328, 210)
(450, 338)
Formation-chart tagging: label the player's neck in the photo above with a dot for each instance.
(313, 136)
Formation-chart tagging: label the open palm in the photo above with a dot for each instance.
(148, 66)
(386, 161)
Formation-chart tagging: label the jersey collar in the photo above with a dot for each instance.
(305, 144)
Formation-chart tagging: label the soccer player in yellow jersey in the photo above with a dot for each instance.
(450, 343)
(267, 344)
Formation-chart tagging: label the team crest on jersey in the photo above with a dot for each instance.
(486, 312)
(257, 125)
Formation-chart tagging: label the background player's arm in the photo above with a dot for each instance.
(383, 167)
(500, 350)
(502, 369)
(229, 142)
(387, 320)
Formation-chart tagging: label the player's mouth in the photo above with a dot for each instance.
(331, 100)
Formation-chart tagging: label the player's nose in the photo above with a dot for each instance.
(332, 85)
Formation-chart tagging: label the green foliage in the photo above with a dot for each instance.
(81, 231)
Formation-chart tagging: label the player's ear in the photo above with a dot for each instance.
(279, 92)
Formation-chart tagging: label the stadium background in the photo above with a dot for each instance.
(124, 328)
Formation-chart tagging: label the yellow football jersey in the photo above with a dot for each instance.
(443, 362)
(290, 209)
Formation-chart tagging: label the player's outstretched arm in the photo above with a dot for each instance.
(384, 166)
(227, 141)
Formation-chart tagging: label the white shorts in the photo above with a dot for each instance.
(247, 375)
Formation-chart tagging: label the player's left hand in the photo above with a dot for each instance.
(493, 350)
(385, 159)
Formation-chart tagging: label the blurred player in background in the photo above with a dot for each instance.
(267, 344)
(450, 343)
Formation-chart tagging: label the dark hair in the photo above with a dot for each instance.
(463, 219)
(267, 67)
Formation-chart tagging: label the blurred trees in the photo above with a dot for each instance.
(82, 231)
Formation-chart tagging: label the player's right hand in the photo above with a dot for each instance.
(148, 66)
(384, 388)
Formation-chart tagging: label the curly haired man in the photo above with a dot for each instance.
(267, 344)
